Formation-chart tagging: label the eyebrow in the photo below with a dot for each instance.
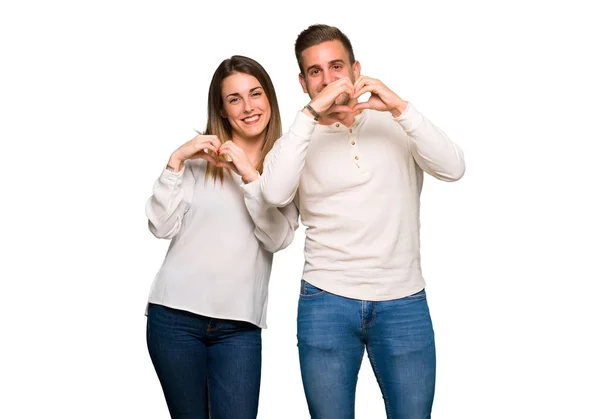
(237, 94)
(330, 63)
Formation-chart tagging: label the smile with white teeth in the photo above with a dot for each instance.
(251, 119)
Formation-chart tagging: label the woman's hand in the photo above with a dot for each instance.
(239, 162)
(195, 149)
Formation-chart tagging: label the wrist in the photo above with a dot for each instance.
(251, 177)
(310, 111)
(174, 164)
(399, 109)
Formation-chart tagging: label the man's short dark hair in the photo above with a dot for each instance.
(317, 34)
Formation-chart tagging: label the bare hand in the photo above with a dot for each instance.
(382, 98)
(195, 149)
(239, 162)
(328, 100)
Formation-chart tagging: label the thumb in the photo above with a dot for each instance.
(362, 105)
(339, 108)
(227, 165)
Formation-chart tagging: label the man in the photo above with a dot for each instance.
(355, 172)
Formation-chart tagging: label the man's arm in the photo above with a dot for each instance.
(284, 163)
(430, 147)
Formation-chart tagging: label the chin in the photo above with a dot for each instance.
(252, 133)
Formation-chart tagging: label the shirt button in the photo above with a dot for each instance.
(355, 157)
(337, 125)
(352, 143)
(350, 130)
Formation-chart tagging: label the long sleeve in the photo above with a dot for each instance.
(283, 164)
(274, 227)
(170, 200)
(430, 147)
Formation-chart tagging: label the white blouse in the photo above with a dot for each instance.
(223, 237)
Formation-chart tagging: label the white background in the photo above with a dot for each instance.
(96, 95)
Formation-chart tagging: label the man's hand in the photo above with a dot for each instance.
(382, 98)
(334, 97)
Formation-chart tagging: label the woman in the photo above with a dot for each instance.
(208, 301)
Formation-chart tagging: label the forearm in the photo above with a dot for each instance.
(284, 163)
(274, 227)
(431, 148)
(169, 202)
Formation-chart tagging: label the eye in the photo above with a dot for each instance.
(233, 100)
(337, 67)
(314, 71)
(256, 94)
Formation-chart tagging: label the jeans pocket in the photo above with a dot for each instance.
(235, 325)
(309, 291)
(417, 296)
(164, 316)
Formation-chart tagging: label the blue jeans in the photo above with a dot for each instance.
(333, 333)
(205, 364)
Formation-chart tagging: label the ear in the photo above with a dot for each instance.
(302, 81)
(223, 114)
(356, 69)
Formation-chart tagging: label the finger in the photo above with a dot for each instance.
(337, 87)
(215, 141)
(365, 79)
(362, 105)
(208, 158)
(210, 139)
(359, 83)
(233, 146)
(223, 149)
(346, 86)
(201, 143)
(210, 146)
(226, 145)
(340, 108)
(363, 90)
(189, 151)
(342, 80)
(227, 154)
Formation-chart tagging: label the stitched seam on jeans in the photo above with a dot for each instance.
(303, 296)
(362, 315)
(420, 297)
(416, 297)
(214, 329)
(208, 406)
(380, 382)
(374, 315)
(311, 296)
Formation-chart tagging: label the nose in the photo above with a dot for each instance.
(328, 77)
(248, 107)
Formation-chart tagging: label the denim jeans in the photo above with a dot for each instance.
(333, 333)
(205, 364)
